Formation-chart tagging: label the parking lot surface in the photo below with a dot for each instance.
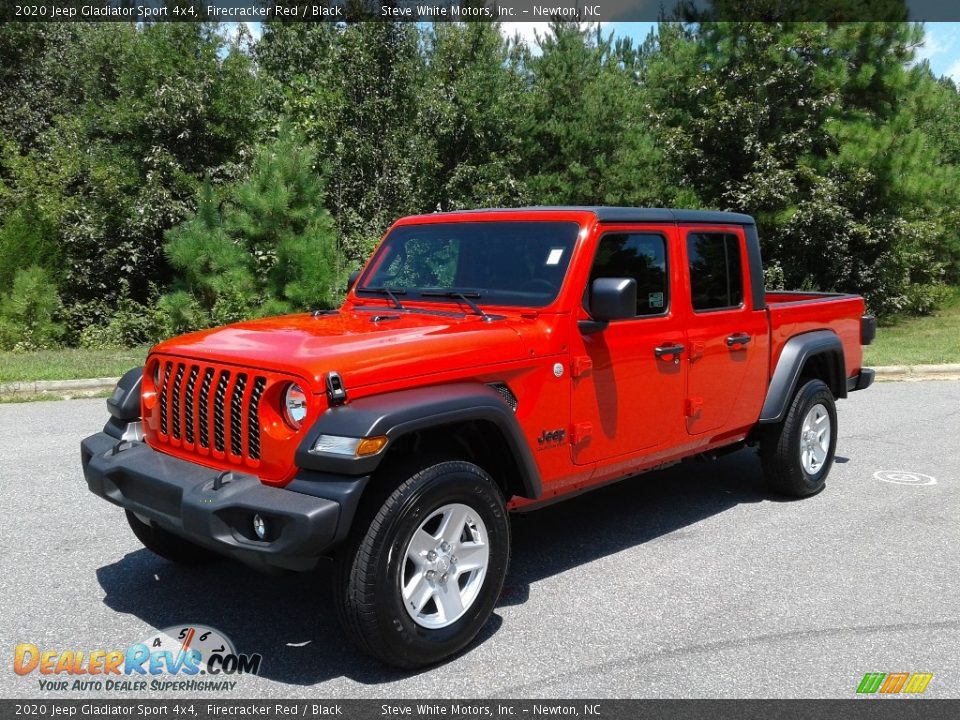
(692, 582)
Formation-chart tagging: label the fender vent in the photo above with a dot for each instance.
(507, 394)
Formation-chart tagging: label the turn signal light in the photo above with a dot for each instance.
(371, 445)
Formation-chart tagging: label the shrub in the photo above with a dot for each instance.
(27, 312)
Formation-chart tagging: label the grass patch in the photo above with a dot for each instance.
(68, 364)
(930, 340)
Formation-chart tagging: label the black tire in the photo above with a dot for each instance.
(370, 567)
(780, 444)
(169, 546)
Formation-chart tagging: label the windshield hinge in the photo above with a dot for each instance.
(336, 391)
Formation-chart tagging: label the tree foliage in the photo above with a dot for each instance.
(164, 176)
(266, 247)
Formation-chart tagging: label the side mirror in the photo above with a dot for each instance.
(610, 299)
(352, 279)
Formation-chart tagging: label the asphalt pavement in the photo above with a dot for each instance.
(692, 582)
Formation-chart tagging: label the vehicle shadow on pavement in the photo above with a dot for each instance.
(626, 514)
(290, 619)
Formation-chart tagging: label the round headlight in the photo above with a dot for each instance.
(294, 405)
(156, 375)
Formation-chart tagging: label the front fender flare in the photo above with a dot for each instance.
(398, 413)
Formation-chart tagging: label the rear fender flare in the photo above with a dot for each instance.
(797, 351)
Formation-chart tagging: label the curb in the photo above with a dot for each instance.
(59, 387)
(891, 373)
(888, 373)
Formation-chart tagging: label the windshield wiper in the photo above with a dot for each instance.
(389, 292)
(464, 295)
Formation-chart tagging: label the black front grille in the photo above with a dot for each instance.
(191, 392)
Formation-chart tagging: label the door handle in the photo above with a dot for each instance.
(674, 349)
(738, 339)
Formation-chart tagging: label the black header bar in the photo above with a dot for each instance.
(476, 10)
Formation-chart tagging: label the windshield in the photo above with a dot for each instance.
(501, 263)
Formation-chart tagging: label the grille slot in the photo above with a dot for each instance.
(208, 409)
(176, 402)
(204, 407)
(236, 415)
(163, 399)
(218, 439)
(253, 419)
(189, 415)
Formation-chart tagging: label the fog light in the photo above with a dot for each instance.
(259, 527)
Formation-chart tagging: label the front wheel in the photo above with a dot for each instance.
(418, 584)
(797, 453)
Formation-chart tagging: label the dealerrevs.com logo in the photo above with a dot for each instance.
(184, 657)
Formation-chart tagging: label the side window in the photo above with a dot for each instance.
(716, 276)
(642, 256)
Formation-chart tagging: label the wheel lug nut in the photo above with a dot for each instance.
(453, 558)
(431, 556)
(431, 575)
(443, 578)
(445, 546)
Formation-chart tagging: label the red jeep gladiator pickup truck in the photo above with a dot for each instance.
(482, 362)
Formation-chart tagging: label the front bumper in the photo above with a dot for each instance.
(184, 498)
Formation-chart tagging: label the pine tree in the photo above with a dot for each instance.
(267, 247)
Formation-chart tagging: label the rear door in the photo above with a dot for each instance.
(726, 337)
(626, 397)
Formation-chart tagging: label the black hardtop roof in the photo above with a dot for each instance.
(629, 214)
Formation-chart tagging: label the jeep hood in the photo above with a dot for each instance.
(364, 346)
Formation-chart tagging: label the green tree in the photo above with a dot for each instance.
(473, 91)
(266, 247)
(811, 128)
(147, 113)
(358, 102)
(586, 137)
(27, 312)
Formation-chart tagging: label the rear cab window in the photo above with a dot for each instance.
(715, 266)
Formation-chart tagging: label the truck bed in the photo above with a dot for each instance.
(794, 312)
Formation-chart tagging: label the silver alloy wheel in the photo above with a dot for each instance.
(444, 566)
(815, 439)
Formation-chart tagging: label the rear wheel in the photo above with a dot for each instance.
(419, 582)
(797, 454)
(167, 545)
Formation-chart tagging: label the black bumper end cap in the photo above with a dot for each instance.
(861, 381)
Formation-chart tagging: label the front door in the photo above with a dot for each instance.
(726, 337)
(627, 392)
